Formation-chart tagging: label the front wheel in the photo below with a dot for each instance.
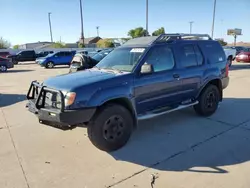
(49, 65)
(111, 127)
(208, 101)
(3, 68)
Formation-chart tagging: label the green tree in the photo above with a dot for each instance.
(58, 45)
(222, 42)
(16, 46)
(4, 43)
(105, 43)
(80, 45)
(159, 31)
(137, 32)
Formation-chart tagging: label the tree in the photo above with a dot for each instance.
(222, 42)
(137, 32)
(80, 45)
(105, 43)
(58, 45)
(4, 43)
(159, 31)
(16, 46)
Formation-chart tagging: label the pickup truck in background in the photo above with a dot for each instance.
(26, 55)
(230, 54)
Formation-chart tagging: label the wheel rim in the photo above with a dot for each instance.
(211, 100)
(50, 65)
(113, 128)
(3, 68)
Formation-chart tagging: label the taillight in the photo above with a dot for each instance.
(227, 70)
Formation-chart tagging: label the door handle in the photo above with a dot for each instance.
(176, 76)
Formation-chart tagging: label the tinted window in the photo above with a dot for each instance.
(161, 57)
(188, 56)
(59, 54)
(213, 51)
(28, 53)
(198, 54)
(68, 53)
(4, 53)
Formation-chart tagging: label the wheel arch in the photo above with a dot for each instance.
(125, 102)
(217, 82)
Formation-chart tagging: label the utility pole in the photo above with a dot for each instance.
(51, 37)
(97, 30)
(212, 34)
(82, 35)
(191, 26)
(147, 16)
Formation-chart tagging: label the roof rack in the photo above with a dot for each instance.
(181, 36)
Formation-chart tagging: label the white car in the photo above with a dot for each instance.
(230, 54)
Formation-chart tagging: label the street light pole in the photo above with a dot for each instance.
(97, 30)
(191, 26)
(82, 34)
(212, 34)
(147, 16)
(50, 28)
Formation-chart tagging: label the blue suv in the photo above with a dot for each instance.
(144, 78)
(57, 58)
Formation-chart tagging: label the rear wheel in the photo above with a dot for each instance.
(208, 101)
(49, 65)
(3, 68)
(111, 127)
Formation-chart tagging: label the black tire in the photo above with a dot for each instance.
(230, 61)
(3, 68)
(49, 65)
(15, 62)
(111, 127)
(208, 101)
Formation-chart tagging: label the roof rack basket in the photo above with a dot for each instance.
(181, 36)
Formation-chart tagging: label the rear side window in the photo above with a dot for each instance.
(191, 56)
(213, 51)
(68, 53)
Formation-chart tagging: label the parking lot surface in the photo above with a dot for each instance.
(176, 150)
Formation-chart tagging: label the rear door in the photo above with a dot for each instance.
(161, 88)
(191, 69)
(67, 57)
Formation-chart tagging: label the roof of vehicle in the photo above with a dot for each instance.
(168, 38)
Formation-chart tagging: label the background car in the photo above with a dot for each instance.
(4, 54)
(57, 58)
(5, 64)
(44, 53)
(244, 56)
(26, 55)
(82, 62)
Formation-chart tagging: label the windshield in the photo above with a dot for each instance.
(122, 59)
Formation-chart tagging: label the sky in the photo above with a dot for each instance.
(27, 20)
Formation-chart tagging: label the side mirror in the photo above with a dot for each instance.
(147, 69)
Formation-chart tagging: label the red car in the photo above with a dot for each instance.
(244, 56)
(4, 54)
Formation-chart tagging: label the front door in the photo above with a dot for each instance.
(160, 88)
(59, 58)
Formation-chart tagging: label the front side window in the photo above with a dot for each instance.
(59, 54)
(161, 58)
(122, 59)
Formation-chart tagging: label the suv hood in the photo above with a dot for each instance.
(69, 82)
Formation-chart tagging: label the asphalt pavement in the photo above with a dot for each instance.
(177, 150)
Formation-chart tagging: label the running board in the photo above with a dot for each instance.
(154, 114)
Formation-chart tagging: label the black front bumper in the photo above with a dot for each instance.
(50, 114)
